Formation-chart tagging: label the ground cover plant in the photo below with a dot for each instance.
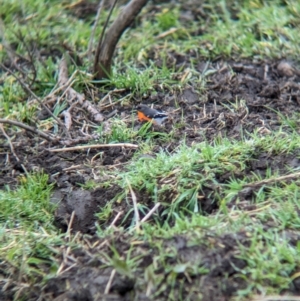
(98, 206)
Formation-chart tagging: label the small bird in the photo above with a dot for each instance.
(148, 114)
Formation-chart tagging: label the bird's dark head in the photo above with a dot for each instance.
(141, 106)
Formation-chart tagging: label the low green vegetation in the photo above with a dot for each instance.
(183, 180)
(29, 204)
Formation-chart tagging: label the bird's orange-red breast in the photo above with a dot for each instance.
(148, 114)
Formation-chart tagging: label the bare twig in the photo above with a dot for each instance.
(100, 7)
(148, 215)
(72, 94)
(27, 89)
(273, 180)
(10, 143)
(99, 47)
(136, 211)
(29, 128)
(82, 147)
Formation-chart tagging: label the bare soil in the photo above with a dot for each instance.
(267, 87)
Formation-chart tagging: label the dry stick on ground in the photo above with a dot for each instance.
(29, 128)
(82, 147)
(73, 95)
(27, 89)
(273, 180)
(106, 46)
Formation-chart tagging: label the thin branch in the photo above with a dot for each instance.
(29, 128)
(99, 47)
(26, 88)
(99, 11)
(82, 147)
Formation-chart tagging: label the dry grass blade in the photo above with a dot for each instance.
(82, 147)
(70, 224)
(277, 298)
(115, 219)
(273, 180)
(136, 211)
(111, 278)
(148, 215)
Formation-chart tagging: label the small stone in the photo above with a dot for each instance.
(285, 68)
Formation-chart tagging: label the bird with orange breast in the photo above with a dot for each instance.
(151, 115)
